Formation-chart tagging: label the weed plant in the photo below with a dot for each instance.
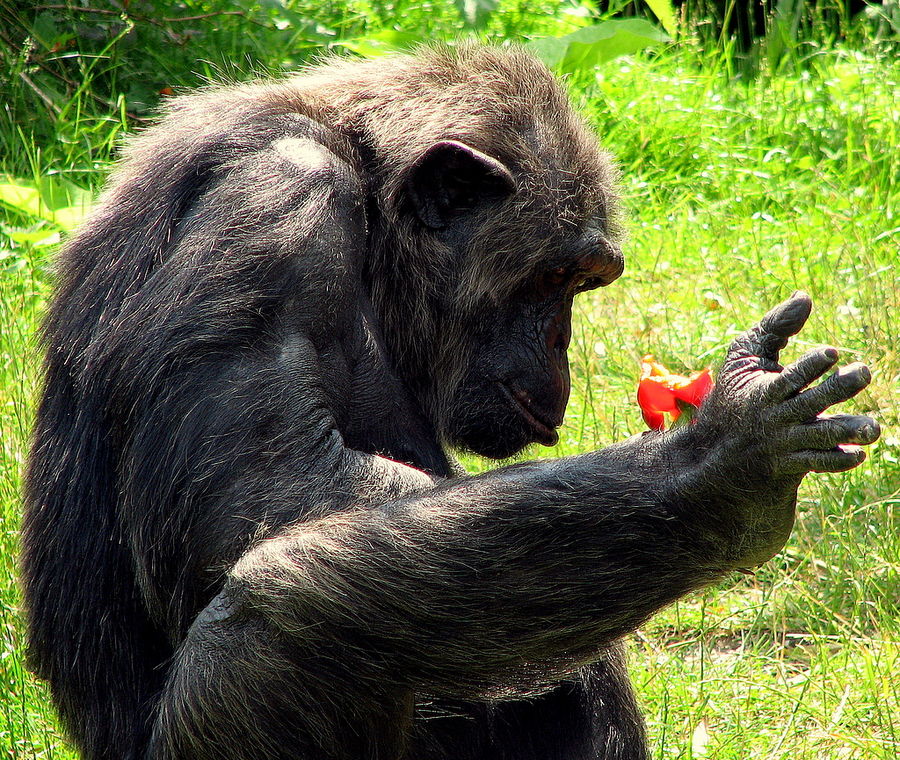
(738, 190)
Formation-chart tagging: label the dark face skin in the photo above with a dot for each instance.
(516, 387)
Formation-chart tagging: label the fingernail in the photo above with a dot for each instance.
(867, 434)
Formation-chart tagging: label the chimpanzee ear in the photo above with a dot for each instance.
(451, 178)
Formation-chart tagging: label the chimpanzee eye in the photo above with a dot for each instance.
(552, 282)
(557, 277)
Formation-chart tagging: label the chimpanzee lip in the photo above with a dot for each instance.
(522, 402)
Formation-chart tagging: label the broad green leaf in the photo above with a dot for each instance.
(35, 237)
(58, 193)
(21, 198)
(382, 43)
(56, 200)
(45, 30)
(70, 217)
(587, 48)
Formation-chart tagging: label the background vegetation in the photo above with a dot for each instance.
(751, 168)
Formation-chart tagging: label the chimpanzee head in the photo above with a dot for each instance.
(488, 220)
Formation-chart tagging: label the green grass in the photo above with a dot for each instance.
(738, 192)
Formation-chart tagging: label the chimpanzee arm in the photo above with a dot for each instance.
(476, 583)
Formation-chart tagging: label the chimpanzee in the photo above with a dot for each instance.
(245, 537)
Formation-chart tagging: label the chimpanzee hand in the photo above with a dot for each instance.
(765, 427)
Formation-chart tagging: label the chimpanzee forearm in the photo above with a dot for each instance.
(442, 588)
(438, 593)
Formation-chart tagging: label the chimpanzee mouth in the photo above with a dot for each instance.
(543, 428)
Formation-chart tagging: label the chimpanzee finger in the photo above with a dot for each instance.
(825, 433)
(796, 376)
(834, 460)
(770, 335)
(845, 383)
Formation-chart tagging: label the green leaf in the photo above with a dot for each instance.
(55, 200)
(21, 198)
(58, 193)
(45, 30)
(382, 43)
(587, 48)
(70, 217)
(36, 237)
